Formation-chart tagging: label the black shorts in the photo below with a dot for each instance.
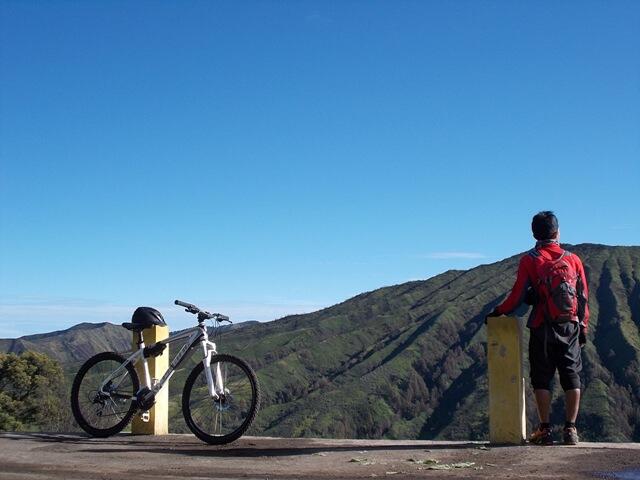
(563, 353)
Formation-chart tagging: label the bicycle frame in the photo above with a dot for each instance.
(193, 335)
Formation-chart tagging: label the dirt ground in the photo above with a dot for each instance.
(57, 456)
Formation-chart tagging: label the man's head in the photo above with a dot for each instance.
(544, 226)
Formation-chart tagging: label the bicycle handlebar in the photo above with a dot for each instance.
(186, 305)
(202, 315)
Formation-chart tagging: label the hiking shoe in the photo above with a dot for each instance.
(542, 436)
(570, 436)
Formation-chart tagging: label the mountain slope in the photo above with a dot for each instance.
(75, 345)
(409, 361)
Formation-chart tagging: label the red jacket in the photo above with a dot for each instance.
(527, 277)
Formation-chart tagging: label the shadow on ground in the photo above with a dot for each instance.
(241, 448)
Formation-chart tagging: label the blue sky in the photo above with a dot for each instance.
(265, 158)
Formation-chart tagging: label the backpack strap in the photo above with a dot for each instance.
(534, 253)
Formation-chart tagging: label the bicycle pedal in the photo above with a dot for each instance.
(144, 416)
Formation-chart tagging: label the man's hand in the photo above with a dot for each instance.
(494, 313)
(582, 337)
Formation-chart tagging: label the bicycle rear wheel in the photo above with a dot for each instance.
(102, 412)
(226, 419)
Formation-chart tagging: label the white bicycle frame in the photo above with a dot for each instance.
(216, 386)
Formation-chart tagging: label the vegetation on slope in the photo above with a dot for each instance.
(409, 361)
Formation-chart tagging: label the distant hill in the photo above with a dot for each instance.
(74, 345)
(409, 361)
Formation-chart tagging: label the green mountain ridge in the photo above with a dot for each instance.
(409, 360)
(73, 345)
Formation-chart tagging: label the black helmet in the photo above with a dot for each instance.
(148, 317)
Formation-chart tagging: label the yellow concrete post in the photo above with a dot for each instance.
(507, 419)
(158, 423)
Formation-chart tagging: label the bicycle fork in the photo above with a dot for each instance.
(213, 373)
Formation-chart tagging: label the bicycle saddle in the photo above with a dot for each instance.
(144, 317)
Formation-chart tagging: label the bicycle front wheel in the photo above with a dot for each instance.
(222, 420)
(103, 403)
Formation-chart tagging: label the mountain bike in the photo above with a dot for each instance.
(220, 398)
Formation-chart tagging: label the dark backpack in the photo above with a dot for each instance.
(557, 287)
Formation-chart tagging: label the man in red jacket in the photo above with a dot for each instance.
(556, 337)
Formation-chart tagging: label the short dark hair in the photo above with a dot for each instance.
(544, 225)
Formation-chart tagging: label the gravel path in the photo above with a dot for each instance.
(57, 456)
